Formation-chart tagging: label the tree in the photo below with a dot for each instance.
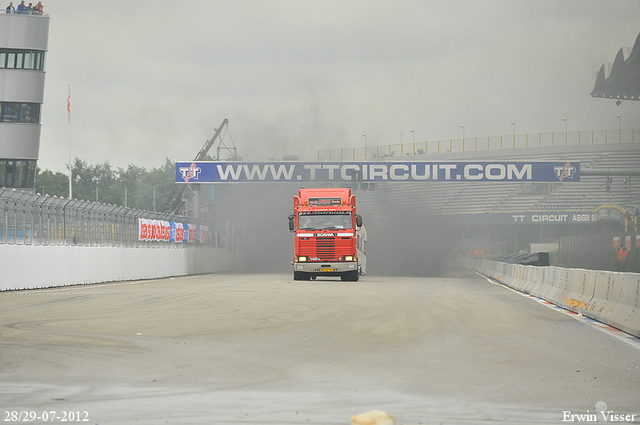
(91, 181)
(108, 185)
(163, 179)
(48, 183)
(131, 179)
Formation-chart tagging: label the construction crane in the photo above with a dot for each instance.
(177, 201)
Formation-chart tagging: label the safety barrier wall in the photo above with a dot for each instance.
(35, 266)
(608, 297)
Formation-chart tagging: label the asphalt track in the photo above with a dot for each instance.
(265, 349)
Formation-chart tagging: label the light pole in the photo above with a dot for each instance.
(70, 160)
(413, 147)
(513, 123)
(619, 126)
(565, 130)
(365, 145)
(462, 127)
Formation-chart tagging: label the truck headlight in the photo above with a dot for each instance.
(348, 258)
(302, 259)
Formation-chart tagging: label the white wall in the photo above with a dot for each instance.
(24, 31)
(28, 267)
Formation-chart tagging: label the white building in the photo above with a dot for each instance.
(23, 47)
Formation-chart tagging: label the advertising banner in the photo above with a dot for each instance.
(179, 232)
(172, 231)
(193, 233)
(377, 171)
(604, 212)
(204, 234)
(169, 231)
(538, 217)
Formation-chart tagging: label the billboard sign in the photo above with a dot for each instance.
(376, 171)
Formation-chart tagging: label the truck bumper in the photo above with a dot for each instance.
(326, 268)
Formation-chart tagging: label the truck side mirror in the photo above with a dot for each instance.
(358, 220)
(292, 225)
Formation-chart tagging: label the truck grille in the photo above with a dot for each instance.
(326, 247)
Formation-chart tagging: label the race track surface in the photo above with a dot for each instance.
(265, 349)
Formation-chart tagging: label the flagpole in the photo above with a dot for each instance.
(70, 164)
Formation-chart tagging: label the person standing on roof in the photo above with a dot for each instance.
(10, 8)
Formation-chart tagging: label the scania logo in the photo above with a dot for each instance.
(325, 234)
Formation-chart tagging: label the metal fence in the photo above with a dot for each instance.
(32, 219)
(482, 143)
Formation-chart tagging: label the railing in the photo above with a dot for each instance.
(32, 219)
(25, 12)
(482, 143)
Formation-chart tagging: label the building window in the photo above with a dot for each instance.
(18, 173)
(21, 59)
(20, 112)
(29, 60)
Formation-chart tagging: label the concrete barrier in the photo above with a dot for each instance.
(619, 307)
(609, 297)
(31, 267)
(532, 278)
(580, 290)
(560, 286)
(542, 283)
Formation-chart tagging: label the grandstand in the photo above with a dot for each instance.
(576, 221)
(498, 197)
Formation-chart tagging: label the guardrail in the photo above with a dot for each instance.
(608, 297)
(33, 219)
(482, 143)
(25, 12)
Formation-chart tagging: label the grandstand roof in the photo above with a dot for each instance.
(620, 80)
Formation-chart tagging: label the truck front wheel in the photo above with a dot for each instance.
(301, 276)
(350, 276)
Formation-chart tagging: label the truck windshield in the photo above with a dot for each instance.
(317, 221)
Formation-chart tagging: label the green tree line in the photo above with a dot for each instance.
(106, 184)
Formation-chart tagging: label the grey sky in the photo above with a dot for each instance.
(151, 80)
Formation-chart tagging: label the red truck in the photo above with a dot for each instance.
(330, 239)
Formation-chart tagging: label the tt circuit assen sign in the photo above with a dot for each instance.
(382, 171)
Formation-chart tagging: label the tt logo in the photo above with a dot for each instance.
(564, 172)
(190, 172)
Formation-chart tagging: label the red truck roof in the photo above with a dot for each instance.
(325, 197)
